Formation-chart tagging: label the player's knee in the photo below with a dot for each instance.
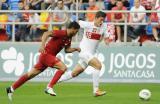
(63, 68)
(74, 74)
(98, 66)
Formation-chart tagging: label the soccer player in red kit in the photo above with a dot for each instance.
(59, 39)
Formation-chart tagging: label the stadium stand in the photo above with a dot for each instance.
(34, 32)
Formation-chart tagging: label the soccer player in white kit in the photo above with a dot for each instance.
(93, 34)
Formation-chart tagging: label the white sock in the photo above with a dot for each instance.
(66, 76)
(12, 89)
(95, 77)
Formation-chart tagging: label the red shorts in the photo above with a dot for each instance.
(46, 60)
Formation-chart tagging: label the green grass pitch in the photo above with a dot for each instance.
(80, 93)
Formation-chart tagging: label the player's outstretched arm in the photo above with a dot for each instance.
(45, 37)
(68, 49)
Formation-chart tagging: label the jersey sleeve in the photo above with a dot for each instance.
(83, 24)
(59, 33)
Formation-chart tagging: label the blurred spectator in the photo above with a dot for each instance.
(126, 4)
(148, 34)
(68, 3)
(11, 18)
(144, 3)
(4, 5)
(26, 2)
(3, 18)
(26, 19)
(92, 6)
(44, 17)
(36, 4)
(118, 17)
(74, 6)
(36, 31)
(0, 5)
(3, 35)
(111, 4)
(13, 4)
(100, 4)
(134, 31)
(156, 18)
(26, 15)
(60, 16)
(33, 18)
(131, 2)
(106, 2)
(21, 29)
(83, 6)
(48, 4)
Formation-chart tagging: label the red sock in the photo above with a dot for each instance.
(20, 81)
(55, 78)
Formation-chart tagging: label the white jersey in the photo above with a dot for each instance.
(92, 36)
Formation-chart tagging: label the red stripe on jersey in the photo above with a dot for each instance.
(93, 36)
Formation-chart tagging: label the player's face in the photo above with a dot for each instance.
(99, 21)
(73, 32)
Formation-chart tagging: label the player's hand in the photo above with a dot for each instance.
(41, 49)
(78, 49)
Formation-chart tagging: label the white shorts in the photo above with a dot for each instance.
(84, 58)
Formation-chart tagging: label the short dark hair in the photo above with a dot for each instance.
(119, 1)
(100, 14)
(20, 1)
(60, 1)
(74, 25)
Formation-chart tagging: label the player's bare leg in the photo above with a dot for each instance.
(71, 74)
(61, 69)
(95, 63)
(24, 78)
(79, 69)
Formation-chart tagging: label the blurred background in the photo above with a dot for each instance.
(58, 12)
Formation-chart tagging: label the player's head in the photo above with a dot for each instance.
(72, 28)
(99, 18)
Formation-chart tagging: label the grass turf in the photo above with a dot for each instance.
(80, 93)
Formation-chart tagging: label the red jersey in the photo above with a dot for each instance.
(57, 42)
